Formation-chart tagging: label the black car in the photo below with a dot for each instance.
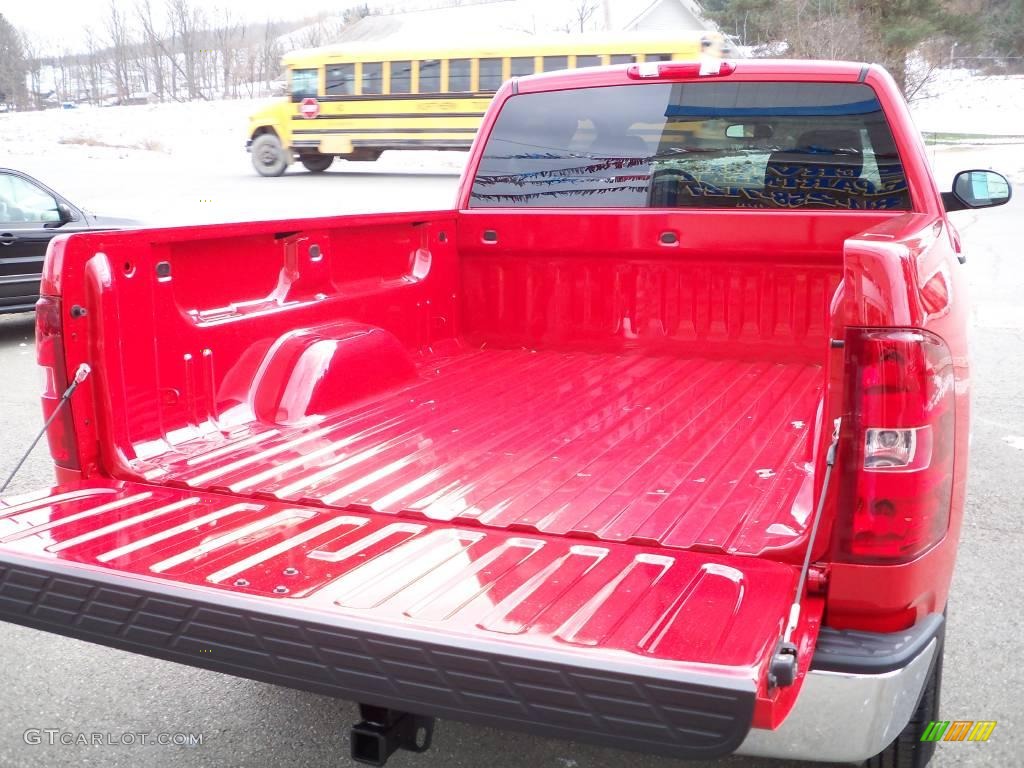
(32, 214)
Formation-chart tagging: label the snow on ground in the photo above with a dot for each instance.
(958, 101)
(172, 163)
(175, 163)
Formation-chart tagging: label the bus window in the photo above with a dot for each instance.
(490, 74)
(304, 84)
(522, 65)
(341, 79)
(658, 57)
(459, 75)
(552, 63)
(401, 77)
(622, 58)
(588, 61)
(430, 76)
(372, 77)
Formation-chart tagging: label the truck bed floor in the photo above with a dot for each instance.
(661, 451)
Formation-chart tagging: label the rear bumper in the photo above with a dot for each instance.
(860, 693)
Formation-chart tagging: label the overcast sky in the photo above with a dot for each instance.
(59, 23)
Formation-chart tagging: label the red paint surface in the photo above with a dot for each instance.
(567, 379)
(689, 611)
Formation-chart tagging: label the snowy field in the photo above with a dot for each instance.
(183, 163)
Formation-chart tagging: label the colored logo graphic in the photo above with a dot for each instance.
(958, 730)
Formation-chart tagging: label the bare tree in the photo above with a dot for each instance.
(93, 66)
(34, 66)
(226, 34)
(153, 45)
(184, 25)
(270, 55)
(62, 73)
(117, 37)
(583, 11)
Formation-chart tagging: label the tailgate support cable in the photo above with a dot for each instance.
(783, 668)
(80, 375)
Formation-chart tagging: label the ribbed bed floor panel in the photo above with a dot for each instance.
(664, 451)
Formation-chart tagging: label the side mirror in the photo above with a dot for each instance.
(977, 189)
(752, 131)
(65, 213)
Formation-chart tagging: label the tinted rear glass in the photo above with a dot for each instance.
(699, 145)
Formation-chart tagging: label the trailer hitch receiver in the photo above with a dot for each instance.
(382, 731)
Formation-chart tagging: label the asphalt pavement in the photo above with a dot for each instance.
(56, 684)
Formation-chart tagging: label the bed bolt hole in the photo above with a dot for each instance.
(241, 583)
(291, 571)
(280, 590)
(490, 236)
(442, 237)
(129, 269)
(315, 254)
(669, 238)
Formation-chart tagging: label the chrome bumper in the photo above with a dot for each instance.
(849, 716)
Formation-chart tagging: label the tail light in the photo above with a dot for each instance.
(50, 356)
(708, 66)
(897, 446)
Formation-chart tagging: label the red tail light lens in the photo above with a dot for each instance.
(50, 356)
(896, 455)
(707, 67)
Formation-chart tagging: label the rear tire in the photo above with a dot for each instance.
(316, 163)
(269, 158)
(908, 751)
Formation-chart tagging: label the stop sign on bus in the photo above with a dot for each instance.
(309, 108)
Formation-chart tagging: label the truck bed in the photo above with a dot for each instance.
(664, 451)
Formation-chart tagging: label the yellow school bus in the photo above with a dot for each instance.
(358, 99)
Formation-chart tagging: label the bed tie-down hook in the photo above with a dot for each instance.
(785, 665)
(80, 376)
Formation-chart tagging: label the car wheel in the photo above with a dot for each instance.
(316, 163)
(908, 751)
(269, 158)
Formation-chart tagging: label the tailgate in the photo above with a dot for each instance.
(651, 649)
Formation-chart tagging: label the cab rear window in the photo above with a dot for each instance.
(821, 146)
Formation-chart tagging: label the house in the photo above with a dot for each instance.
(656, 15)
(515, 18)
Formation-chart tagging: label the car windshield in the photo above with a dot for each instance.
(718, 145)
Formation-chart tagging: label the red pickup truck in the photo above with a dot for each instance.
(656, 440)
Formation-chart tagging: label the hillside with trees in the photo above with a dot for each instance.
(184, 50)
(910, 38)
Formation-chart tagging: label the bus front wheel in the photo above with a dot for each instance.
(316, 163)
(269, 158)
